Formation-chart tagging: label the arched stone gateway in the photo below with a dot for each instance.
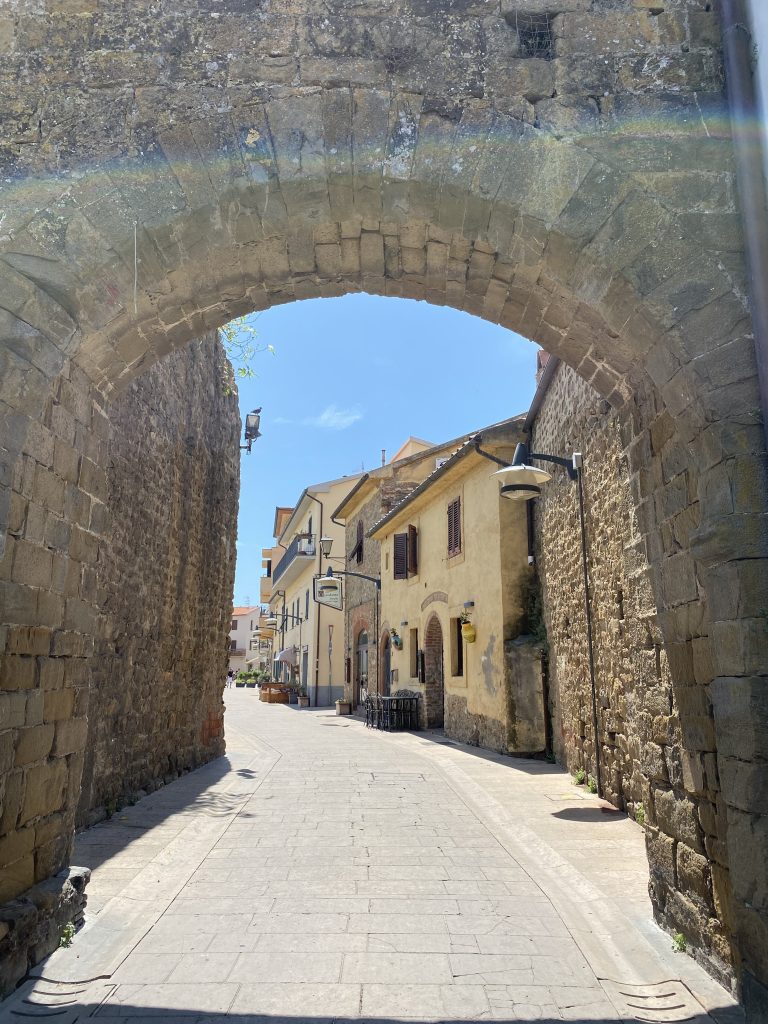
(570, 176)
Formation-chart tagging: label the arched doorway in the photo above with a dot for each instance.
(386, 664)
(360, 680)
(434, 678)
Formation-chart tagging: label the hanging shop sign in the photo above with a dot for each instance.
(328, 590)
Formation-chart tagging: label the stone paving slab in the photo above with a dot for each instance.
(331, 875)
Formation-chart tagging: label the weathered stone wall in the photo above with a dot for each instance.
(31, 927)
(115, 592)
(166, 571)
(49, 613)
(646, 761)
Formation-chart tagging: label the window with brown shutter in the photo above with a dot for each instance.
(359, 545)
(413, 551)
(454, 527)
(400, 558)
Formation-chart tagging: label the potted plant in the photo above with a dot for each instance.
(303, 698)
(397, 640)
(250, 680)
(240, 679)
(467, 629)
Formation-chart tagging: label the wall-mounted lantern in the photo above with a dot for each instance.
(251, 431)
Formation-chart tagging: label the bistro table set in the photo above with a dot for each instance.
(400, 711)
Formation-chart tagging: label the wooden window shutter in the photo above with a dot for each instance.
(454, 527)
(359, 546)
(413, 551)
(400, 559)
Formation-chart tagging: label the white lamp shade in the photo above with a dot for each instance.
(524, 476)
(521, 483)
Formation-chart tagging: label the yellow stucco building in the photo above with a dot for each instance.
(454, 548)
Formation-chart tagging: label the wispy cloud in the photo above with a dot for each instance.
(334, 418)
(331, 418)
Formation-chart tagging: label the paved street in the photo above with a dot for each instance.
(323, 871)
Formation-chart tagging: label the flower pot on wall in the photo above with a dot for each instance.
(468, 632)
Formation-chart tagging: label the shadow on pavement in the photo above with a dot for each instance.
(521, 1014)
(527, 765)
(590, 814)
(188, 795)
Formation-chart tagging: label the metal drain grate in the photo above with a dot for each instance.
(664, 1003)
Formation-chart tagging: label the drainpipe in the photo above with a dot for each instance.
(319, 607)
(750, 174)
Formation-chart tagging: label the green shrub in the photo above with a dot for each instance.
(639, 814)
(591, 784)
(67, 934)
(579, 776)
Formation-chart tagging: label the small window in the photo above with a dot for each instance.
(234, 625)
(413, 652)
(357, 550)
(306, 605)
(233, 645)
(457, 648)
(534, 35)
(454, 527)
(269, 568)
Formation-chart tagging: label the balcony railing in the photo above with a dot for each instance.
(302, 547)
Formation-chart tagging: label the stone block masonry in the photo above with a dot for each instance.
(32, 926)
(651, 766)
(115, 595)
(166, 575)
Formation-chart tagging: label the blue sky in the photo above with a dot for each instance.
(353, 375)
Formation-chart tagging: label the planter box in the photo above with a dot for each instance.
(239, 685)
(270, 695)
(303, 701)
(251, 685)
(343, 707)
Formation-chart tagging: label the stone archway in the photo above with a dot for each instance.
(164, 174)
(434, 674)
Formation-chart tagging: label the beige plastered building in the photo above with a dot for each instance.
(244, 620)
(308, 644)
(455, 545)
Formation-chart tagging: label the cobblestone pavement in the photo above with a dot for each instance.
(325, 872)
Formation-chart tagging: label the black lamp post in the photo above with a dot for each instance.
(523, 482)
(251, 431)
